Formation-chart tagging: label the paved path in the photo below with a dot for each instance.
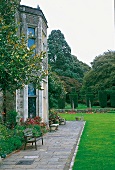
(56, 153)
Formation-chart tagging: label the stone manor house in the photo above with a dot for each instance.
(32, 102)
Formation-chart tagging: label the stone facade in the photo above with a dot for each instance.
(33, 21)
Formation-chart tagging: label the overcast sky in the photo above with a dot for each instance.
(88, 25)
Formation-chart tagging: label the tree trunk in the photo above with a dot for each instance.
(4, 105)
(72, 105)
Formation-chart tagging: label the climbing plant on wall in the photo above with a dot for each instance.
(18, 65)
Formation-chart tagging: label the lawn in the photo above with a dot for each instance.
(97, 145)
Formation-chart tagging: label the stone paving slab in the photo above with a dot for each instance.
(56, 153)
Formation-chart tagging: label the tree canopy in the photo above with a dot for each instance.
(67, 66)
(68, 70)
(56, 89)
(59, 54)
(102, 73)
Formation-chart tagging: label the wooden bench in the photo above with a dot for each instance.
(31, 137)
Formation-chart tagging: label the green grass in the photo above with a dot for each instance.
(97, 145)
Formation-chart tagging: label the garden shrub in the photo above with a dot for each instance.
(10, 144)
(5, 133)
(35, 122)
(53, 117)
(53, 102)
(9, 140)
(96, 103)
(12, 138)
(1, 120)
(102, 95)
(89, 99)
(61, 102)
(19, 131)
(15, 142)
(74, 99)
(11, 119)
(112, 98)
(36, 129)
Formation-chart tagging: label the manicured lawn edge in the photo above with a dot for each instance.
(96, 150)
(74, 155)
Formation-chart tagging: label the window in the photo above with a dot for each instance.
(31, 101)
(31, 89)
(31, 32)
(31, 107)
(31, 42)
(31, 38)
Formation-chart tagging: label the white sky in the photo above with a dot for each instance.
(88, 25)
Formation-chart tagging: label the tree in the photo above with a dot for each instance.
(79, 68)
(18, 66)
(102, 95)
(85, 68)
(56, 89)
(69, 69)
(102, 73)
(73, 98)
(59, 56)
(70, 83)
(61, 60)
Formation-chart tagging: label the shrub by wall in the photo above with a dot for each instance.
(11, 119)
(9, 140)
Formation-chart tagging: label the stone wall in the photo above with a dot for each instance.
(34, 17)
(31, 17)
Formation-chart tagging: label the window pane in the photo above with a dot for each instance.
(31, 42)
(31, 31)
(31, 107)
(31, 90)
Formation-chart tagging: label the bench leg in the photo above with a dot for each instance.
(35, 145)
(42, 141)
(25, 146)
